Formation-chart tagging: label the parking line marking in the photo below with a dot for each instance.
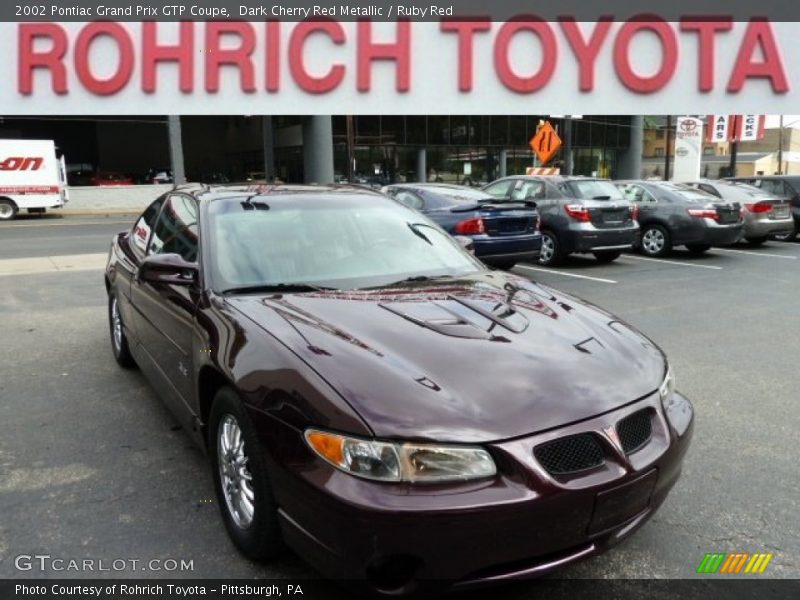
(600, 279)
(756, 253)
(671, 262)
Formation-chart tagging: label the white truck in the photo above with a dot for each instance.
(32, 177)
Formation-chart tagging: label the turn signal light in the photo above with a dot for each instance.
(578, 212)
(470, 227)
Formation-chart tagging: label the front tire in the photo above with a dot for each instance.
(239, 469)
(119, 340)
(550, 253)
(607, 256)
(655, 241)
(8, 210)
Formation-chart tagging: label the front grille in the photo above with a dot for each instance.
(635, 431)
(570, 454)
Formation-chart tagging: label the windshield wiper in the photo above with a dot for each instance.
(277, 288)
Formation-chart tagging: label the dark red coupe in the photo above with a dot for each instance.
(374, 397)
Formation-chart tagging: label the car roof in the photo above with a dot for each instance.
(210, 192)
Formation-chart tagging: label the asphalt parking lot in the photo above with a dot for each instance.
(91, 464)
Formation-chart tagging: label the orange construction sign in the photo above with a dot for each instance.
(546, 142)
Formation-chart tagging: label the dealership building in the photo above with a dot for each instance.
(320, 149)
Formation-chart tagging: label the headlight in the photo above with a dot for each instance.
(677, 408)
(386, 461)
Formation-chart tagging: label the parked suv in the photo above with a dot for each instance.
(764, 214)
(578, 215)
(781, 186)
(672, 214)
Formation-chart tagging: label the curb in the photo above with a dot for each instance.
(99, 212)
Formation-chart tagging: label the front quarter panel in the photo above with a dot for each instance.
(283, 394)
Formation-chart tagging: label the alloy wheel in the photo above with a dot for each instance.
(548, 249)
(116, 326)
(235, 477)
(653, 241)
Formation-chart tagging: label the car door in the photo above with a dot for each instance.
(164, 312)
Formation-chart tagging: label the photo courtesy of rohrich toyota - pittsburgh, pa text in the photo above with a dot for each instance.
(399, 299)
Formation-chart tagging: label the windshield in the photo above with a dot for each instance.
(596, 190)
(340, 243)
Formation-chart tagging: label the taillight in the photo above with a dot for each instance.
(704, 213)
(536, 222)
(634, 208)
(470, 227)
(578, 212)
(760, 207)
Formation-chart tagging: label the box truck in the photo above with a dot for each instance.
(32, 177)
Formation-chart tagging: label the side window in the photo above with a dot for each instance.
(176, 229)
(500, 189)
(529, 190)
(141, 230)
(409, 199)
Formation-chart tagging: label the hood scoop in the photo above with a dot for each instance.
(463, 318)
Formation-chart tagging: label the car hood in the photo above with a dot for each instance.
(484, 358)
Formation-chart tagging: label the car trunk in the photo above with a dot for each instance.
(728, 213)
(506, 219)
(611, 215)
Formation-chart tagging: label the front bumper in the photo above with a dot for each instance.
(391, 538)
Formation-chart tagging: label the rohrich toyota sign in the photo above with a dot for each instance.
(404, 67)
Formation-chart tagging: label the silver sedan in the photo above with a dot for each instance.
(764, 215)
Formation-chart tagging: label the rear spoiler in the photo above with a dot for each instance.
(494, 206)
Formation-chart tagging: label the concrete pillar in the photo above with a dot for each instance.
(318, 149)
(176, 149)
(422, 166)
(268, 141)
(630, 162)
(502, 167)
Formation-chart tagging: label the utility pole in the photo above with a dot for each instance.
(667, 152)
(568, 145)
(734, 146)
(351, 156)
(780, 146)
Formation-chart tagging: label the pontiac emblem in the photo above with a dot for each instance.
(613, 437)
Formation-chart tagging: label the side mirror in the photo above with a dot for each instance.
(466, 243)
(170, 269)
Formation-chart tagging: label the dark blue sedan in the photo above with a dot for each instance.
(503, 233)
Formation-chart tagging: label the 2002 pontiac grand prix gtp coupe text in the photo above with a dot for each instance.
(373, 396)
